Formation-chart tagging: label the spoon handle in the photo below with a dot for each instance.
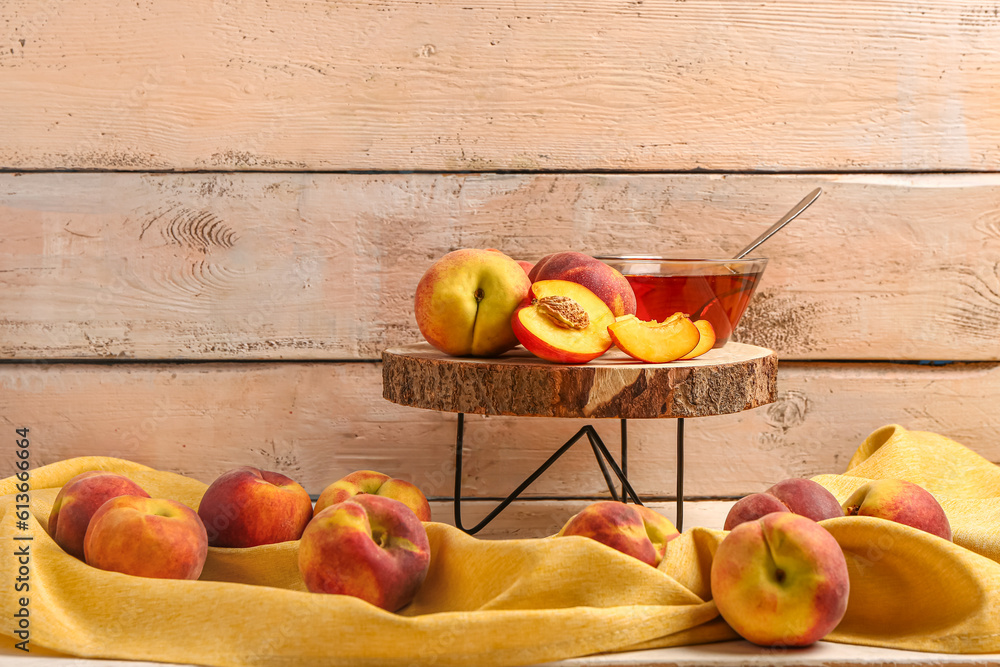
(791, 215)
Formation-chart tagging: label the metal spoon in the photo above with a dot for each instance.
(791, 215)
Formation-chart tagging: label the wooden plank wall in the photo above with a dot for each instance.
(214, 216)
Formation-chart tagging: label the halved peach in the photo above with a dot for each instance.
(564, 322)
(655, 343)
(706, 342)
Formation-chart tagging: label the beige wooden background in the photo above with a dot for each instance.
(214, 215)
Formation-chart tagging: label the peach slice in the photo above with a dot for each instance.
(655, 343)
(705, 343)
(564, 322)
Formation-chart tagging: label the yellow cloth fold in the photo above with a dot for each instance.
(514, 601)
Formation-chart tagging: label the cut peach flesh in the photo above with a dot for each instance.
(706, 342)
(654, 323)
(541, 336)
(655, 343)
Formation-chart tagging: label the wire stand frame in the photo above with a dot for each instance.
(604, 459)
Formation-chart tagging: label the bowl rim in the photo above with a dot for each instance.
(661, 259)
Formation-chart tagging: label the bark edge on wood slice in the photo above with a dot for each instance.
(731, 379)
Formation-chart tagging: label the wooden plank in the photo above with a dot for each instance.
(514, 84)
(720, 654)
(324, 266)
(745, 654)
(319, 421)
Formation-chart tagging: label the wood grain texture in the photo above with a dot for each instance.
(514, 84)
(720, 654)
(319, 421)
(307, 266)
(731, 379)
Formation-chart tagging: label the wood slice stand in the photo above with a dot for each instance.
(734, 378)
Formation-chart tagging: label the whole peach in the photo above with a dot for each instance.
(808, 498)
(370, 547)
(751, 508)
(379, 484)
(801, 496)
(247, 507)
(77, 501)
(781, 580)
(900, 501)
(147, 537)
(464, 302)
(631, 529)
(659, 529)
(604, 281)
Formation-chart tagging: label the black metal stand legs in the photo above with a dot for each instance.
(604, 459)
(679, 517)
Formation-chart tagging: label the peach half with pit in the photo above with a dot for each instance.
(563, 322)
(603, 280)
(655, 342)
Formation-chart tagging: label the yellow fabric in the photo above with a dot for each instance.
(516, 601)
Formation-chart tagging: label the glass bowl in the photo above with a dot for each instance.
(717, 290)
